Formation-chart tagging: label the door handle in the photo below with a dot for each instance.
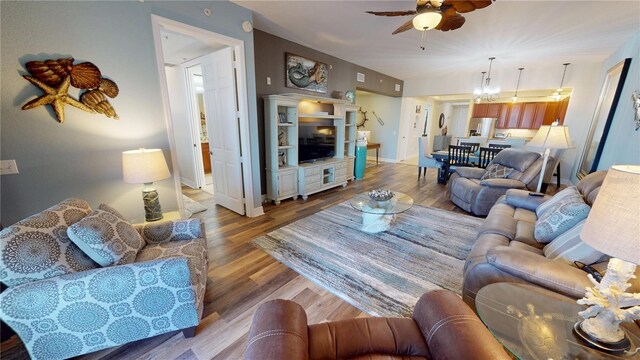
(210, 152)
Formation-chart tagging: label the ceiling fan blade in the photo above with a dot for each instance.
(450, 21)
(406, 26)
(465, 6)
(392, 13)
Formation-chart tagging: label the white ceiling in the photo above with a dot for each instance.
(517, 33)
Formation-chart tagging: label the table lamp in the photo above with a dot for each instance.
(549, 137)
(144, 166)
(613, 228)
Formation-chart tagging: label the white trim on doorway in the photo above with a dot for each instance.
(158, 22)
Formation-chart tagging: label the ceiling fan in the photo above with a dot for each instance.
(441, 15)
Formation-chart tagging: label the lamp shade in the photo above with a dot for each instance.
(552, 137)
(144, 166)
(427, 20)
(613, 224)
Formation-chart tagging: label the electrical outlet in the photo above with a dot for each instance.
(397, 87)
(268, 80)
(8, 167)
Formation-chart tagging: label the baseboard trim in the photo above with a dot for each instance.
(255, 212)
(373, 158)
(189, 183)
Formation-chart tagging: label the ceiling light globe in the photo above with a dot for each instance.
(427, 20)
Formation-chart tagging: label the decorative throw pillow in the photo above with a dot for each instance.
(559, 218)
(571, 191)
(159, 232)
(568, 247)
(38, 247)
(496, 171)
(109, 209)
(106, 238)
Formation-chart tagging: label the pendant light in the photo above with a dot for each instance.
(478, 91)
(515, 96)
(556, 95)
(486, 92)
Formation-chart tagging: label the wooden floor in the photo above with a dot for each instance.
(241, 277)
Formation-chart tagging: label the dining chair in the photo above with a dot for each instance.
(486, 156)
(458, 157)
(499, 146)
(474, 146)
(425, 160)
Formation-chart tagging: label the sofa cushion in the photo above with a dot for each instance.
(496, 171)
(524, 234)
(571, 191)
(568, 247)
(525, 247)
(499, 224)
(560, 218)
(38, 247)
(106, 238)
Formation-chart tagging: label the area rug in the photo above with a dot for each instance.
(381, 274)
(192, 207)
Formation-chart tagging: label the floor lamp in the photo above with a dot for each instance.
(550, 137)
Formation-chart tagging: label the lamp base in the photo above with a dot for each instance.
(152, 208)
(619, 347)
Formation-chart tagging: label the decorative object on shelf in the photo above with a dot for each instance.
(378, 118)
(282, 158)
(435, 14)
(485, 92)
(635, 97)
(441, 120)
(515, 96)
(617, 207)
(282, 137)
(381, 194)
(305, 74)
(549, 137)
(54, 78)
(364, 118)
(558, 93)
(444, 131)
(603, 117)
(144, 166)
(282, 118)
(350, 96)
(337, 95)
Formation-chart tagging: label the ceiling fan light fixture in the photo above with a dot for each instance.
(427, 20)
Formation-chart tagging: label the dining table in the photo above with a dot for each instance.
(442, 156)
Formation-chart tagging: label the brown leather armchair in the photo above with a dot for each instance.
(442, 327)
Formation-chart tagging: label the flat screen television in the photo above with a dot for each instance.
(316, 142)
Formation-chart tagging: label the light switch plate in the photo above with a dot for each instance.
(268, 80)
(8, 167)
(397, 87)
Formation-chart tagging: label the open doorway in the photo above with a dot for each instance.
(204, 95)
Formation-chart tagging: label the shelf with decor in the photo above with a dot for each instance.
(289, 119)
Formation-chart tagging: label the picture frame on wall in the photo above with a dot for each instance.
(305, 74)
(603, 117)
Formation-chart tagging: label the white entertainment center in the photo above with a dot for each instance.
(284, 114)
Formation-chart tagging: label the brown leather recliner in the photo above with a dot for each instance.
(442, 327)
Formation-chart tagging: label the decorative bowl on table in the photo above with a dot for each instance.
(381, 195)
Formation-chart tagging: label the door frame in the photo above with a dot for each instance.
(157, 23)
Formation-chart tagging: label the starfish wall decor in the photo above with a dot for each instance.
(54, 78)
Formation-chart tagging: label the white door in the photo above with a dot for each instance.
(223, 128)
(459, 117)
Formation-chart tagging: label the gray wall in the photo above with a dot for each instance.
(623, 143)
(82, 157)
(388, 109)
(270, 61)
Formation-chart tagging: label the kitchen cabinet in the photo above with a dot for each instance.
(487, 110)
(206, 157)
(531, 115)
(513, 117)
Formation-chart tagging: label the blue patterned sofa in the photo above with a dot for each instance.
(62, 303)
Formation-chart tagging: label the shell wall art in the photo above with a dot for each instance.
(54, 77)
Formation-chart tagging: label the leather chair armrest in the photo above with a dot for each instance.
(537, 269)
(279, 331)
(452, 330)
(522, 199)
(504, 183)
(470, 173)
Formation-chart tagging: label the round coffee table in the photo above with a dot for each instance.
(377, 216)
(535, 323)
